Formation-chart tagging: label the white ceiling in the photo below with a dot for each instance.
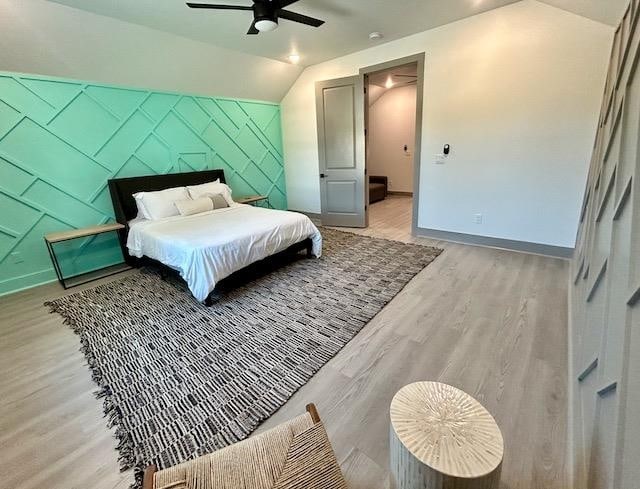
(605, 11)
(399, 76)
(348, 22)
(347, 27)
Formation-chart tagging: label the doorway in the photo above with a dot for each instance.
(369, 138)
(390, 132)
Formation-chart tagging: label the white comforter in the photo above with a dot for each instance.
(205, 248)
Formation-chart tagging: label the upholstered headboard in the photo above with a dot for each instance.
(122, 189)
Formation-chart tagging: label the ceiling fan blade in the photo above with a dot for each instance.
(286, 3)
(218, 7)
(302, 19)
(253, 30)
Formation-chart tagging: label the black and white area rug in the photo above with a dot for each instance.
(179, 379)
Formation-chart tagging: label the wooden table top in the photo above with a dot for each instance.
(251, 198)
(81, 233)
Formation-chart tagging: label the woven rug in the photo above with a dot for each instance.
(179, 379)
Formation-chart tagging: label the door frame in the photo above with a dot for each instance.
(420, 60)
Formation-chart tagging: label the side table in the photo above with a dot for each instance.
(58, 237)
(440, 437)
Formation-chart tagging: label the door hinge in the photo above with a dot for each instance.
(322, 175)
(365, 90)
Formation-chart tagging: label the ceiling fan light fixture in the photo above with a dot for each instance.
(265, 14)
(266, 25)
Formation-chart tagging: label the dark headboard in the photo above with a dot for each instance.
(122, 189)
(124, 205)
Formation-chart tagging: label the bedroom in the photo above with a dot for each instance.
(184, 344)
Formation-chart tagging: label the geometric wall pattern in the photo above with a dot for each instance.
(605, 288)
(61, 140)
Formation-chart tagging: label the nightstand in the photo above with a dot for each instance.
(82, 278)
(257, 200)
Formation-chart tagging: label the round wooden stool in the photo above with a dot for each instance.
(442, 438)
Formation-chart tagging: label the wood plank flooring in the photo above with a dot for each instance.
(491, 322)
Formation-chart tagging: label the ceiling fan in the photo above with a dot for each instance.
(265, 14)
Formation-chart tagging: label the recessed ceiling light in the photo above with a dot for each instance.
(294, 58)
(375, 36)
(389, 83)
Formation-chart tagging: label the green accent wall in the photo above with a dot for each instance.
(61, 140)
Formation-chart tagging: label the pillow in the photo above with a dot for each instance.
(194, 206)
(209, 189)
(157, 205)
(140, 206)
(218, 201)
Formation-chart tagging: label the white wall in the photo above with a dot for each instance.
(514, 91)
(392, 124)
(51, 39)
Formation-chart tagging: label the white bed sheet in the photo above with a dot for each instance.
(205, 248)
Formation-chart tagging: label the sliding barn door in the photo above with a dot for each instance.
(605, 310)
(341, 151)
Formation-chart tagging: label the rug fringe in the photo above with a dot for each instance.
(125, 448)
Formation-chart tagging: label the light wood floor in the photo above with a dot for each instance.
(493, 323)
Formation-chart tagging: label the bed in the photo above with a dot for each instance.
(208, 247)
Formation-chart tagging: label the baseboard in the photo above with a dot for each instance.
(16, 284)
(41, 277)
(405, 194)
(506, 244)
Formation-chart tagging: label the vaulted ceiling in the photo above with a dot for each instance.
(347, 27)
(605, 11)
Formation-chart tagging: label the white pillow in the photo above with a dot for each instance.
(157, 205)
(194, 206)
(211, 188)
(142, 213)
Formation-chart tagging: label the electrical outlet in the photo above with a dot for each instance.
(16, 257)
(477, 218)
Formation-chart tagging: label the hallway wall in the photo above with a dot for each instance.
(392, 124)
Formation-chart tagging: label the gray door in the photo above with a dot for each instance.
(341, 150)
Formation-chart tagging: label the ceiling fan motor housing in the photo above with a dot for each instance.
(264, 11)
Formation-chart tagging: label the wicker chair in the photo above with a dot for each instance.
(293, 455)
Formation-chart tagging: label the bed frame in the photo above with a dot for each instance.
(124, 206)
